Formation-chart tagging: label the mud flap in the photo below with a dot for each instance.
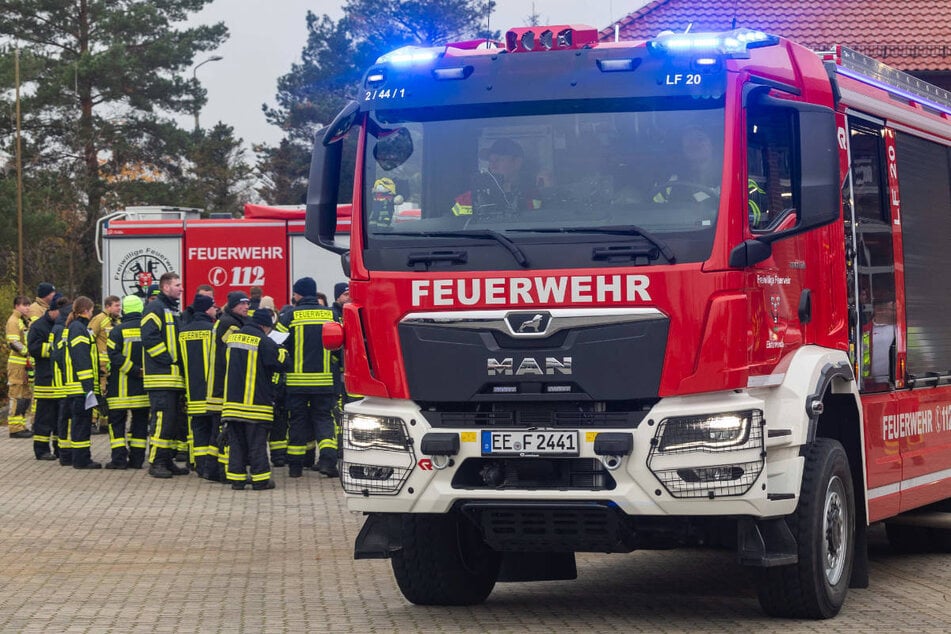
(765, 543)
(379, 538)
(859, 578)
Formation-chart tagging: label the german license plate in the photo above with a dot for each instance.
(529, 443)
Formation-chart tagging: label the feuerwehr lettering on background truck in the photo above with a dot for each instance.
(652, 293)
(265, 248)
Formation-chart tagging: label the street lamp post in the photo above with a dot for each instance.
(213, 58)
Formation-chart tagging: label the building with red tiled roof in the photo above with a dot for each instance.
(912, 35)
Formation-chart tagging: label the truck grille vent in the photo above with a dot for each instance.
(534, 418)
(551, 529)
(586, 474)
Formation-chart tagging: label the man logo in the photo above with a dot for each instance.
(528, 324)
(528, 366)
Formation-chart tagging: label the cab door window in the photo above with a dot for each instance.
(770, 164)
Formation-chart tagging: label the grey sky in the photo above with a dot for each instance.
(267, 36)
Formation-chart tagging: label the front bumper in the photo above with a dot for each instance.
(638, 484)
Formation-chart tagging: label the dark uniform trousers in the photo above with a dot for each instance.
(64, 415)
(311, 420)
(80, 430)
(277, 437)
(134, 456)
(248, 449)
(45, 426)
(203, 456)
(165, 426)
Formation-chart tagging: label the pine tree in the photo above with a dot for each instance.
(220, 178)
(107, 74)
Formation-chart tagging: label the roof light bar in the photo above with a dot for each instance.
(411, 55)
(734, 44)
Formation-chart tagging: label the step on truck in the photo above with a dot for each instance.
(610, 296)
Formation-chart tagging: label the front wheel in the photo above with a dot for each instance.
(444, 561)
(824, 528)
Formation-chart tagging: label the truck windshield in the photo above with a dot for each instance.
(527, 174)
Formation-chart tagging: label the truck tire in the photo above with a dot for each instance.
(824, 528)
(444, 561)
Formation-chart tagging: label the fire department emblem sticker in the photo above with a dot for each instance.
(140, 268)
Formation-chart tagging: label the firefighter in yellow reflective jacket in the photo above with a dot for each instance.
(233, 318)
(82, 381)
(195, 343)
(125, 392)
(163, 376)
(17, 363)
(253, 359)
(100, 326)
(45, 293)
(310, 383)
(58, 358)
(40, 344)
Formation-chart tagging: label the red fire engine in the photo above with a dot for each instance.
(265, 248)
(650, 291)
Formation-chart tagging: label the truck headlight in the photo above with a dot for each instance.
(677, 454)
(714, 432)
(375, 432)
(377, 454)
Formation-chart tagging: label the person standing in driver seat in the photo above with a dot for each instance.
(501, 189)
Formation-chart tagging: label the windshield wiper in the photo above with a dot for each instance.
(512, 248)
(621, 230)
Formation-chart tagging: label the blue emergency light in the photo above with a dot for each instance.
(411, 55)
(710, 46)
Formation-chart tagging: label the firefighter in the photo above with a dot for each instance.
(63, 450)
(82, 381)
(310, 384)
(18, 366)
(697, 177)
(39, 343)
(255, 293)
(341, 297)
(500, 190)
(100, 326)
(195, 343)
(253, 359)
(45, 293)
(189, 312)
(125, 392)
(277, 437)
(233, 318)
(163, 376)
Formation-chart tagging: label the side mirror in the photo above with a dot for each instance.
(323, 187)
(341, 124)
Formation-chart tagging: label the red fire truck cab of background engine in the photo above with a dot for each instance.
(642, 295)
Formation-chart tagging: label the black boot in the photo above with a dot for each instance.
(263, 486)
(159, 470)
(328, 467)
(136, 458)
(174, 469)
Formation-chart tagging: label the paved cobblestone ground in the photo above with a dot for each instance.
(117, 551)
